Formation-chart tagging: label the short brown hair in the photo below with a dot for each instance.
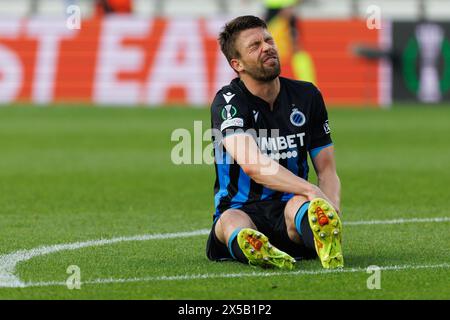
(227, 38)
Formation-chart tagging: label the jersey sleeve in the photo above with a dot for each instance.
(230, 113)
(320, 127)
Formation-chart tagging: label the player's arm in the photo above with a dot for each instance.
(328, 180)
(322, 151)
(263, 170)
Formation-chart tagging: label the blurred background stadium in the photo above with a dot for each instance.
(164, 52)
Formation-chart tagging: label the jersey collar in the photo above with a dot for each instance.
(257, 100)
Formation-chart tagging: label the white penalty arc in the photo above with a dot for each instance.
(8, 262)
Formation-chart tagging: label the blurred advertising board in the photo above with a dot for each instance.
(131, 61)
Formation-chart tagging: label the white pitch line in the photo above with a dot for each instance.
(8, 262)
(261, 274)
(396, 221)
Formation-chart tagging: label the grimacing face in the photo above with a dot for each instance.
(259, 55)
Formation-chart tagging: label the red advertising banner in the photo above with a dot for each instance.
(132, 61)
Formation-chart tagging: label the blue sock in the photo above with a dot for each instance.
(299, 217)
(230, 241)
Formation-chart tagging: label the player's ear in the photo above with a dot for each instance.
(237, 65)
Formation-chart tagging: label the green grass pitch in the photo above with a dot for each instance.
(74, 174)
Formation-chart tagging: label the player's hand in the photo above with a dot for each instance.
(317, 193)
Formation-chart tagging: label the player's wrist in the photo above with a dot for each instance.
(312, 192)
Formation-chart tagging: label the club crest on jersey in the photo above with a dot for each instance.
(297, 118)
(228, 112)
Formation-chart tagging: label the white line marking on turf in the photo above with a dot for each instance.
(8, 262)
(240, 275)
(396, 221)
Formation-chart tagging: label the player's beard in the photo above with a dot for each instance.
(264, 73)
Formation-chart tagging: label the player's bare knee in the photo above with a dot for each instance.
(290, 212)
(292, 207)
(297, 200)
(292, 230)
(229, 221)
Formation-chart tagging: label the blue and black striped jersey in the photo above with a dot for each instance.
(296, 125)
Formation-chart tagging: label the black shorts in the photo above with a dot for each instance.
(268, 217)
